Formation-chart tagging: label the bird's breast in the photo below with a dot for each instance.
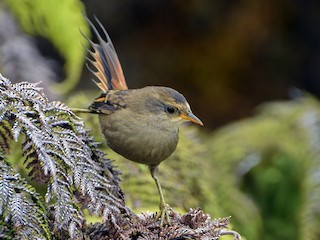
(137, 140)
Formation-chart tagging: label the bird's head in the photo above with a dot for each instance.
(168, 104)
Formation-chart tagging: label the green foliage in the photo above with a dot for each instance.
(60, 22)
(274, 158)
(58, 152)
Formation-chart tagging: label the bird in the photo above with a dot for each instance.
(140, 124)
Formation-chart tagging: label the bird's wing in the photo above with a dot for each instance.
(109, 102)
(105, 61)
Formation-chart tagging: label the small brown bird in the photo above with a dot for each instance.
(140, 124)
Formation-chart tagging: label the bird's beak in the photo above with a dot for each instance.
(189, 116)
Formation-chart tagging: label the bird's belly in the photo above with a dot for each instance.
(139, 143)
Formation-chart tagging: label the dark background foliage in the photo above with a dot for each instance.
(230, 55)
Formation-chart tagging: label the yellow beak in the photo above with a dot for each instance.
(191, 117)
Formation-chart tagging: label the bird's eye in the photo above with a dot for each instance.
(170, 110)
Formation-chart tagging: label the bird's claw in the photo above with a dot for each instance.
(164, 214)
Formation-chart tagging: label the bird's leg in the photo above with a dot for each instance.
(164, 208)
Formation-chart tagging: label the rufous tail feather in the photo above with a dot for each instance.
(108, 70)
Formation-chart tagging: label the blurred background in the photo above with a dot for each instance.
(250, 70)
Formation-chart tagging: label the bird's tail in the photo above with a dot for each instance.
(105, 61)
(81, 110)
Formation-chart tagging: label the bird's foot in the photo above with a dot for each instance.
(164, 214)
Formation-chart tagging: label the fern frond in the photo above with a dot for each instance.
(195, 224)
(20, 208)
(60, 152)
(5, 136)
